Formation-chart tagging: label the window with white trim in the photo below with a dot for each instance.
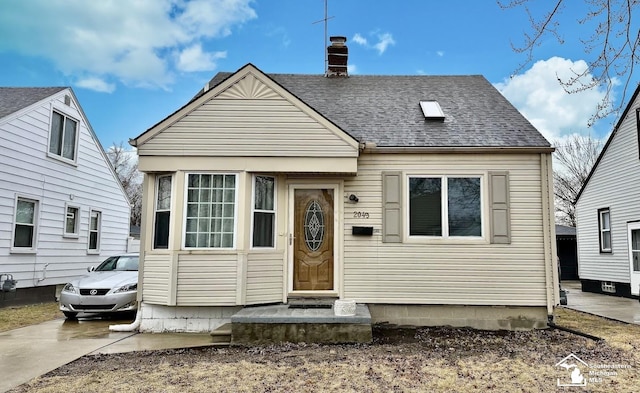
(71, 221)
(95, 223)
(162, 212)
(25, 224)
(604, 224)
(63, 136)
(264, 211)
(445, 206)
(211, 210)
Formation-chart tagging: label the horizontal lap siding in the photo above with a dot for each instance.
(447, 272)
(614, 184)
(250, 127)
(157, 269)
(264, 277)
(207, 280)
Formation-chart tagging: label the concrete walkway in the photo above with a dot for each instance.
(35, 350)
(612, 307)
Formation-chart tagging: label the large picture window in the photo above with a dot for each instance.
(211, 207)
(163, 212)
(604, 223)
(264, 211)
(62, 141)
(442, 206)
(25, 224)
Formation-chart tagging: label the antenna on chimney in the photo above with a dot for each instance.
(324, 49)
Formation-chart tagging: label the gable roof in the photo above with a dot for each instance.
(12, 99)
(606, 145)
(386, 109)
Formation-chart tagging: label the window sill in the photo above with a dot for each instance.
(608, 252)
(62, 159)
(23, 250)
(93, 252)
(71, 236)
(445, 240)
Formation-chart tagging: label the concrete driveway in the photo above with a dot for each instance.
(612, 307)
(35, 350)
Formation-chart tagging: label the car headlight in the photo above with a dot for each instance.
(69, 288)
(127, 288)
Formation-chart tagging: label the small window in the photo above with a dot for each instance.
(72, 221)
(25, 224)
(211, 211)
(163, 212)
(431, 110)
(604, 223)
(95, 222)
(264, 211)
(445, 206)
(62, 140)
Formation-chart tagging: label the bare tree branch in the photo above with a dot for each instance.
(127, 170)
(612, 47)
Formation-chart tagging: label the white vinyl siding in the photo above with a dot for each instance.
(264, 277)
(204, 280)
(226, 126)
(613, 184)
(27, 169)
(446, 271)
(156, 278)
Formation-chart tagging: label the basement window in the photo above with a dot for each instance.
(431, 110)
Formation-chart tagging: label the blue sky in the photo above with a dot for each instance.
(132, 63)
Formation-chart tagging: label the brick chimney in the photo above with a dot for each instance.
(337, 55)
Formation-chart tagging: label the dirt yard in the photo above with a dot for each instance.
(400, 360)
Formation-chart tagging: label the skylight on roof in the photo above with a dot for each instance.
(431, 110)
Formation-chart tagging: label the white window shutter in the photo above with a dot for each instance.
(499, 207)
(392, 207)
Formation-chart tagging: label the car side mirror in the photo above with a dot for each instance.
(91, 268)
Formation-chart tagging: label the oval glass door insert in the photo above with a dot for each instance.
(313, 226)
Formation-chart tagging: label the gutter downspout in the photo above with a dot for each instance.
(550, 258)
(128, 327)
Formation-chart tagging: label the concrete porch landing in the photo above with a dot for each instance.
(278, 323)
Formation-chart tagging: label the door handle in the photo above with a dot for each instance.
(291, 237)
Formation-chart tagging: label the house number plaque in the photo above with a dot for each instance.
(360, 215)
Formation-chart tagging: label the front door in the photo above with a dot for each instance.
(313, 240)
(634, 256)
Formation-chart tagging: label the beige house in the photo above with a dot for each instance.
(427, 198)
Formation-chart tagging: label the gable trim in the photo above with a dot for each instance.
(248, 69)
(606, 145)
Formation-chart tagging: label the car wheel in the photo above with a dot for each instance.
(70, 315)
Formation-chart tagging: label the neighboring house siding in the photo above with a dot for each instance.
(613, 185)
(447, 271)
(265, 277)
(207, 280)
(27, 170)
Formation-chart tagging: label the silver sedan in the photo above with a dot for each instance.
(111, 287)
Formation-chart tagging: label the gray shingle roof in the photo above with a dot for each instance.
(386, 109)
(562, 230)
(13, 99)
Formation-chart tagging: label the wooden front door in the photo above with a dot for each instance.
(313, 240)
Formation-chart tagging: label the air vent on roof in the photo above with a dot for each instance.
(431, 110)
(67, 100)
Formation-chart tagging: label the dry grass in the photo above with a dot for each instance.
(20, 316)
(430, 359)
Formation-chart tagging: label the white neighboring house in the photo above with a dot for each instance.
(62, 208)
(608, 212)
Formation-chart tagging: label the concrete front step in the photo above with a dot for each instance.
(222, 335)
(279, 323)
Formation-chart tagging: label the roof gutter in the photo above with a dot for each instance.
(370, 147)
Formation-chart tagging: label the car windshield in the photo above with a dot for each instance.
(125, 262)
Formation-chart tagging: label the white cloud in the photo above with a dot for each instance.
(133, 43)
(193, 59)
(358, 39)
(96, 84)
(384, 41)
(543, 101)
(440, 53)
